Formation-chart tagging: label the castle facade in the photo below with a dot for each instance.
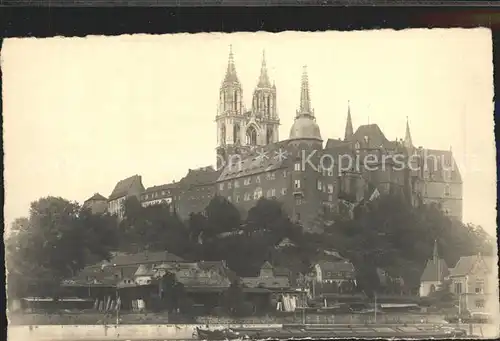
(312, 177)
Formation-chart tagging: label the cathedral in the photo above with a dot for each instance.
(312, 177)
(253, 162)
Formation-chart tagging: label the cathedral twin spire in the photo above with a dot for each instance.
(231, 76)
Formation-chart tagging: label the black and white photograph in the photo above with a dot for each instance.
(230, 186)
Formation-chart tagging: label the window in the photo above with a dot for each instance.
(229, 198)
(330, 171)
(237, 198)
(268, 193)
(285, 173)
(330, 197)
(298, 201)
(330, 188)
(273, 192)
(221, 186)
(229, 185)
(247, 181)
(236, 184)
(298, 166)
(458, 288)
(257, 193)
(297, 183)
(270, 176)
(479, 303)
(247, 196)
(319, 185)
(447, 190)
(479, 286)
(283, 191)
(257, 179)
(357, 145)
(162, 192)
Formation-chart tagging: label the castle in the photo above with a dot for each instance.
(311, 178)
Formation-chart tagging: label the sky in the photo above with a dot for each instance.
(80, 114)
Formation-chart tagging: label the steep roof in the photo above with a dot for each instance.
(263, 159)
(435, 271)
(124, 186)
(200, 176)
(375, 138)
(466, 264)
(331, 143)
(96, 197)
(439, 160)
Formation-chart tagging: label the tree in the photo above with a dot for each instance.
(222, 216)
(52, 244)
(233, 300)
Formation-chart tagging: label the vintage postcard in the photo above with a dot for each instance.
(251, 185)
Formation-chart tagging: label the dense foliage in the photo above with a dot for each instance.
(59, 238)
(54, 242)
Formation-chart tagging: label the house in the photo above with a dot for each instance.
(97, 204)
(434, 274)
(164, 194)
(335, 276)
(474, 282)
(334, 271)
(124, 189)
(268, 278)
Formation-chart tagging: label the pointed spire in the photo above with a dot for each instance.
(348, 126)
(231, 76)
(264, 78)
(408, 142)
(435, 255)
(305, 99)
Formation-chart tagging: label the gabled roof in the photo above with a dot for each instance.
(123, 187)
(139, 258)
(435, 271)
(375, 137)
(277, 282)
(263, 159)
(199, 177)
(96, 197)
(465, 265)
(340, 266)
(266, 265)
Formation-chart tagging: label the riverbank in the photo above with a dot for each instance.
(96, 318)
(173, 331)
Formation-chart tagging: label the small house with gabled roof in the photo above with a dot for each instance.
(97, 204)
(474, 282)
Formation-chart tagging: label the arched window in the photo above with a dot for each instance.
(235, 99)
(268, 106)
(433, 288)
(236, 133)
(223, 134)
(251, 136)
